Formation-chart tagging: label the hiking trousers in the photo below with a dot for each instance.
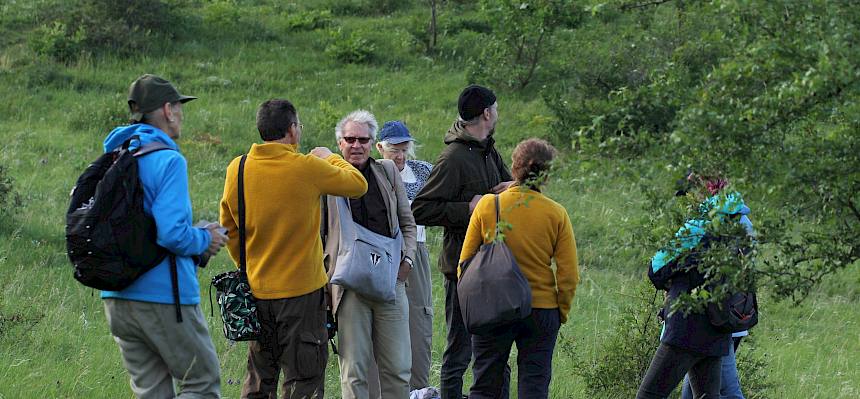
(293, 341)
(369, 330)
(419, 291)
(158, 351)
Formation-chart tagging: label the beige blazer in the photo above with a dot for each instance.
(399, 214)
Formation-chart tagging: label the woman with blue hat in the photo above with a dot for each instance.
(395, 143)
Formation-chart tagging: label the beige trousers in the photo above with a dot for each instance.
(158, 351)
(367, 331)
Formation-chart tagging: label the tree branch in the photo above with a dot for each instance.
(633, 6)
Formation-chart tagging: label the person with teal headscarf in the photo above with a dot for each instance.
(689, 343)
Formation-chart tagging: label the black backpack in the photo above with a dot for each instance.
(110, 240)
(737, 312)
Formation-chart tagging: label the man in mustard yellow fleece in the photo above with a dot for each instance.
(282, 189)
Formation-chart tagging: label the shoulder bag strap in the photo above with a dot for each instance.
(242, 252)
(498, 218)
(324, 219)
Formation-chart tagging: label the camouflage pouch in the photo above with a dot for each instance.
(238, 306)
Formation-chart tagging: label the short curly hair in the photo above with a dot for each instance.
(532, 158)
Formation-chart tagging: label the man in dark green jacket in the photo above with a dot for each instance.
(468, 168)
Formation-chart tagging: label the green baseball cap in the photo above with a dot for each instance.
(149, 92)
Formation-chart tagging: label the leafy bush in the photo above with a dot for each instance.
(350, 47)
(625, 353)
(104, 26)
(307, 20)
(753, 370)
(55, 42)
(366, 7)
(521, 39)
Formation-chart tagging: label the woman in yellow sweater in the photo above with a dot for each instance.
(537, 230)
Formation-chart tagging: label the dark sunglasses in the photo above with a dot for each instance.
(362, 140)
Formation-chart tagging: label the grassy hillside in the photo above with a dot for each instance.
(54, 341)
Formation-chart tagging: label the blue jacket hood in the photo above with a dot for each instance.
(147, 134)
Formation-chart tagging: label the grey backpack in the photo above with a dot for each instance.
(492, 290)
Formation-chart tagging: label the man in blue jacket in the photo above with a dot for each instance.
(156, 348)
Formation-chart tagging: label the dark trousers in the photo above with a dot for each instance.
(458, 351)
(535, 338)
(668, 367)
(293, 339)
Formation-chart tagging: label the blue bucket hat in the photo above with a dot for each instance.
(394, 132)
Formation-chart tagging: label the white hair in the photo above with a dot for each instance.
(410, 149)
(359, 116)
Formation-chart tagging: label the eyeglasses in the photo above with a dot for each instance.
(350, 140)
(301, 126)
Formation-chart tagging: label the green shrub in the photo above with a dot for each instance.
(352, 47)
(366, 7)
(307, 20)
(56, 42)
(221, 16)
(122, 27)
(625, 352)
(522, 39)
(753, 370)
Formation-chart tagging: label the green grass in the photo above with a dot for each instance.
(54, 341)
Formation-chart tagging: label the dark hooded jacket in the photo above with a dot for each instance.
(465, 168)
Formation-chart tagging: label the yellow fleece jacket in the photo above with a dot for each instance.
(282, 215)
(538, 231)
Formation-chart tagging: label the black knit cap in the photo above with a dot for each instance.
(149, 92)
(473, 100)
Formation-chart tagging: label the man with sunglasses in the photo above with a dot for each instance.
(372, 331)
(468, 168)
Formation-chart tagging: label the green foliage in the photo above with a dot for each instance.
(308, 20)
(351, 48)
(788, 98)
(103, 26)
(625, 352)
(9, 198)
(630, 72)
(366, 7)
(754, 369)
(523, 36)
(55, 42)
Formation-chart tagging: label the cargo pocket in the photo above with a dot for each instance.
(311, 356)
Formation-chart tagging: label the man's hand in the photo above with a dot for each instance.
(501, 187)
(321, 152)
(473, 203)
(403, 272)
(217, 240)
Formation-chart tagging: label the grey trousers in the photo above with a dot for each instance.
(419, 290)
(157, 351)
(369, 330)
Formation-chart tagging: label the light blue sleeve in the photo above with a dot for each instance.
(171, 209)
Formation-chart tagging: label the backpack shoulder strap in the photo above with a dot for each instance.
(498, 217)
(150, 148)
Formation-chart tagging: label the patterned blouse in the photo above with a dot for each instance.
(421, 170)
